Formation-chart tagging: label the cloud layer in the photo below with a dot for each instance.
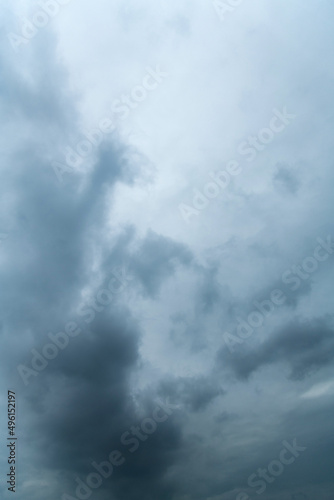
(134, 300)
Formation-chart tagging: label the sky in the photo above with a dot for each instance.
(167, 249)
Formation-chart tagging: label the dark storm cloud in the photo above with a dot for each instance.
(80, 405)
(310, 423)
(66, 240)
(225, 417)
(30, 88)
(84, 396)
(186, 331)
(193, 393)
(286, 179)
(208, 292)
(156, 259)
(149, 260)
(87, 399)
(304, 346)
(88, 407)
(54, 255)
(290, 297)
(209, 298)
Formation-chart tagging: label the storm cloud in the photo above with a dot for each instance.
(114, 309)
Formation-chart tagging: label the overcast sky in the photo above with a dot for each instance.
(167, 248)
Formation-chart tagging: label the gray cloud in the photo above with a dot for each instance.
(195, 394)
(161, 337)
(304, 346)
